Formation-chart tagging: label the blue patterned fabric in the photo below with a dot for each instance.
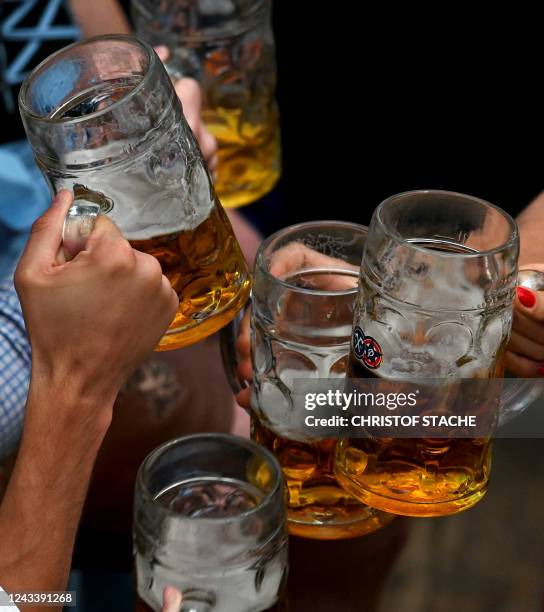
(24, 196)
(28, 40)
(30, 30)
(14, 368)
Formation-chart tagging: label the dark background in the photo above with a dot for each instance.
(374, 102)
(376, 99)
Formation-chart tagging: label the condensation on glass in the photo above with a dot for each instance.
(436, 296)
(209, 519)
(305, 288)
(228, 47)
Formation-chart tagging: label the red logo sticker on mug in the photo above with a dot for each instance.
(367, 349)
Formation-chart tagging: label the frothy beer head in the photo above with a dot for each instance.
(453, 336)
(143, 211)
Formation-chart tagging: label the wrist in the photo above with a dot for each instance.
(67, 410)
(73, 383)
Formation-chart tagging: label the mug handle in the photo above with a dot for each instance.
(78, 226)
(229, 355)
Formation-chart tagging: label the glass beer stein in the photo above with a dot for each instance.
(104, 121)
(436, 295)
(209, 519)
(305, 288)
(228, 47)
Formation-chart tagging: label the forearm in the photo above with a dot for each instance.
(42, 506)
(6, 468)
(531, 230)
(100, 17)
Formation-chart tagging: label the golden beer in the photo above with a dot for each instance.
(248, 155)
(317, 506)
(232, 55)
(418, 476)
(207, 270)
(435, 308)
(413, 476)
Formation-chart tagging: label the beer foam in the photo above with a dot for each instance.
(442, 288)
(328, 244)
(174, 208)
(454, 347)
(452, 335)
(149, 200)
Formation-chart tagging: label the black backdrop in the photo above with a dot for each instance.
(376, 99)
(377, 102)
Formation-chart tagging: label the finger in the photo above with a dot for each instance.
(530, 303)
(45, 237)
(172, 297)
(208, 145)
(527, 327)
(245, 370)
(212, 165)
(243, 344)
(522, 366)
(533, 266)
(171, 599)
(526, 347)
(188, 91)
(240, 423)
(163, 52)
(107, 245)
(296, 257)
(104, 230)
(60, 257)
(243, 398)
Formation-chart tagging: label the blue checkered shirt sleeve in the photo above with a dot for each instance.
(14, 368)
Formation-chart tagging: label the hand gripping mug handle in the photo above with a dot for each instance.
(229, 355)
(519, 394)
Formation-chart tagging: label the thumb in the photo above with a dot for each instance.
(163, 52)
(46, 233)
(188, 91)
(171, 599)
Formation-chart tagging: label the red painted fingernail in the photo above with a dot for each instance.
(540, 370)
(526, 297)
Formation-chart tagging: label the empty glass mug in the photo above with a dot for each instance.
(104, 121)
(436, 296)
(209, 519)
(228, 47)
(305, 288)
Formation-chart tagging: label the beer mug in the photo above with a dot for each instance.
(104, 121)
(305, 288)
(209, 519)
(228, 47)
(436, 297)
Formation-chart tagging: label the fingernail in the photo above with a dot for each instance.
(60, 198)
(526, 297)
(57, 199)
(171, 596)
(540, 370)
